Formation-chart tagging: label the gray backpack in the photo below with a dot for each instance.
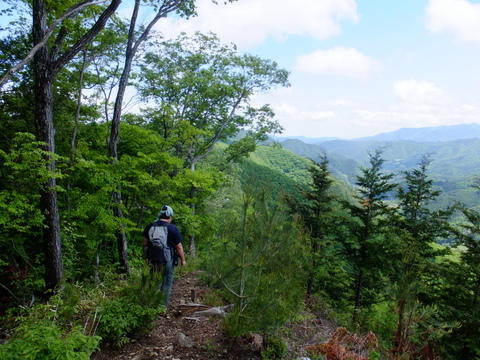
(161, 251)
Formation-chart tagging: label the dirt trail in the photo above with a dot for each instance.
(182, 337)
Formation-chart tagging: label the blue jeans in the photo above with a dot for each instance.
(167, 281)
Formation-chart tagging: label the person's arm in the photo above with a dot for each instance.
(181, 254)
(145, 244)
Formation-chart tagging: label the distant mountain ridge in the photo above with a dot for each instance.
(437, 133)
(423, 134)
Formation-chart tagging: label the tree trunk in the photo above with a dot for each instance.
(73, 142)
(358, 292)
(120, 234)
(311, 273)
(192, 248)
(113, 141)
(400, 338)
(193, 207)
(46, 133)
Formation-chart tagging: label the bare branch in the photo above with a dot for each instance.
(12, 294)
(71, 11)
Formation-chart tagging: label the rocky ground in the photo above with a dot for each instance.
(185, 335)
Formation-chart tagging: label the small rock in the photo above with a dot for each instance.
(184, 340)
(257, 341)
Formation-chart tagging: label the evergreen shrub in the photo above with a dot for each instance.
(257, 263)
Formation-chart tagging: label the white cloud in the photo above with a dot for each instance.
(458, 17)
(248, 23)
(341, 61)
(420, 92)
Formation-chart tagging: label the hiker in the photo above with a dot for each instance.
(162, 244)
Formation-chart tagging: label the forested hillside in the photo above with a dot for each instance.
(353, 233)
(454, 165)
(283, 171)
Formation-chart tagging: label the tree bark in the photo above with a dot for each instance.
(46, 133)
(358, 292)
(113, 141)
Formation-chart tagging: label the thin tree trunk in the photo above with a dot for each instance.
(113, 141)
(400, 336)
(97, 268)
(120, 234)
(358, 292)
(192, 248)
(79, 102)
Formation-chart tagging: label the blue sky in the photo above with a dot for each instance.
(358, 68)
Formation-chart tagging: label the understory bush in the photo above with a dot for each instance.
(75, 320)
(276, 348)
(120, 319)
(132, 308)
(57, 329)
(45, 340)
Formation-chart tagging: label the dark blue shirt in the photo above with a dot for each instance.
(174, 238)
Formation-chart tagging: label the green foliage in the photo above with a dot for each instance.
(52, 330)
(44, 340)
(276, 348)
(213, 297)
(380, 319)
(133, 308)
(210, 101)
(255, 253)
(122, 318)
(282, 161)
(23, 172)
(457, 293)
(317, 206)
(279, 159)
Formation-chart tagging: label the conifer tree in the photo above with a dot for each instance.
(458, 291)
(418, 227)
(257, 261)
(317, 215)
(366, 247)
